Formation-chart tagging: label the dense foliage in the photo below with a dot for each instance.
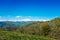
(8, 35)
(46, 30)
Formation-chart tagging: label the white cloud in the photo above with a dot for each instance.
(40, 19)
(2, 20)
(26, 20)
(22, 18)
(18, 16)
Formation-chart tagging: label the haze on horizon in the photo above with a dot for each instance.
(29, 10)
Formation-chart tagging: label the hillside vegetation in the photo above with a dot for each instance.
(6, 35)
(45, 30)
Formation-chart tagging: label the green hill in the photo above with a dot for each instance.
(47, 28)
(44, 30)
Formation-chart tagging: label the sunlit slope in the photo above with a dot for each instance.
(5, 35)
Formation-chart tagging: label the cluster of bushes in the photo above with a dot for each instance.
(47, 28)
(8, 35)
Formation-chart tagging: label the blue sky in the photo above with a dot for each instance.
(29, 9)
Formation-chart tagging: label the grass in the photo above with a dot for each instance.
(7, 35)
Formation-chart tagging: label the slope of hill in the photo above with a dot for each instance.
(17, 23)
(47, 28)
(7, 35)
(12, 26)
